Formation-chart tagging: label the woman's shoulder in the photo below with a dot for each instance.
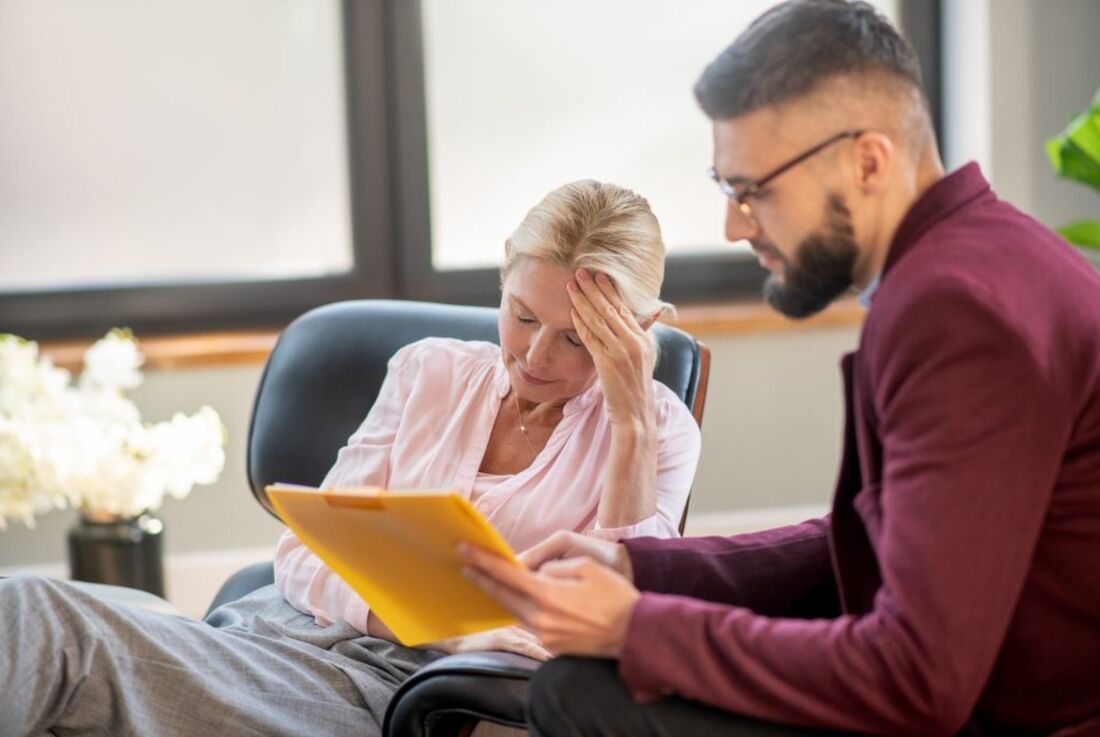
(671, 412)
(448, 356)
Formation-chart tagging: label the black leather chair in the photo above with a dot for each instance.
(321, 379)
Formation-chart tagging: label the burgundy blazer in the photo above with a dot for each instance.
(955, 588)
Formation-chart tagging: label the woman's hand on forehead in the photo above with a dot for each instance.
(621, 349)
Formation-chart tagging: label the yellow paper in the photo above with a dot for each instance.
(396, 549)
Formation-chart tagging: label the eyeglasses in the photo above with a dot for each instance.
(741, 196)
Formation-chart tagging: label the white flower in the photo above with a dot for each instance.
(30, 387)
(113, 363)
(85, 445)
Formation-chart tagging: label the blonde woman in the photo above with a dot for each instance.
(560, 427)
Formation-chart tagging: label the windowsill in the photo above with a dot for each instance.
(228, 348)
(234, 348)
(740, 318)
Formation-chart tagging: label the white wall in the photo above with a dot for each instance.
(1041, 61)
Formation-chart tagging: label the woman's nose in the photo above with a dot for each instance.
(538, 352)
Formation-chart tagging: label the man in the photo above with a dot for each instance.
(955, 588)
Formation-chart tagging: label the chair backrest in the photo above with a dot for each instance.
(326, 369)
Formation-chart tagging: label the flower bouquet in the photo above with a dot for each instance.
(83, 445)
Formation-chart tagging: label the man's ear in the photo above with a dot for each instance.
(874, 157)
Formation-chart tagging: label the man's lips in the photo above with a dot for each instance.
(531, 379)
(768, 261)
(767, 256)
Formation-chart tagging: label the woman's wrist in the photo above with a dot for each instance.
(638, 424)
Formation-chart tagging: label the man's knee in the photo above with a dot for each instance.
(571, 696)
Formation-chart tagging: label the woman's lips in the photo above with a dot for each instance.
(531, 379)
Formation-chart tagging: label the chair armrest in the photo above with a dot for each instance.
(243, 582)
(443, 696)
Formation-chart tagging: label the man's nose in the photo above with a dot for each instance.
(739, 225)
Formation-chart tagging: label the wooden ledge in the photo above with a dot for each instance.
(230, 348)
(739, 318)
(234, 348)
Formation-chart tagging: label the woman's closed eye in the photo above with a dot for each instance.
(572, 340)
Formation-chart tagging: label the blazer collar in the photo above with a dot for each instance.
(939, 201)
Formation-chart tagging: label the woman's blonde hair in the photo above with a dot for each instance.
(600, 227)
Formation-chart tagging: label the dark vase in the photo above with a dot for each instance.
(118, 551)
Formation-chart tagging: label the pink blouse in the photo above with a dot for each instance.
(429, 428)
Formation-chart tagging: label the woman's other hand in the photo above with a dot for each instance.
(565, 544)
(621, 348)
(505, 639)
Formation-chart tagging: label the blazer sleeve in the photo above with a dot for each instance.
(785, 571)
(972, 443)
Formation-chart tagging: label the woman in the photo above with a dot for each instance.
(560, 427)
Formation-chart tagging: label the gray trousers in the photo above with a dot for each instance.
(72, 664)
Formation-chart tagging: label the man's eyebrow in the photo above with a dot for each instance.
(737, 179)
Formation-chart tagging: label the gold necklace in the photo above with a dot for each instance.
(523, 425)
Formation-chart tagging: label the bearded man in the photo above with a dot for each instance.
(954, 588)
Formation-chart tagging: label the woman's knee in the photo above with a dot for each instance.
(37, 603)
(30, 589)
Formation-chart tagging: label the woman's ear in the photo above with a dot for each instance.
(648, 322)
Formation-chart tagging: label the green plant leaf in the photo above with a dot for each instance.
(1085, 233)
(1075, 152)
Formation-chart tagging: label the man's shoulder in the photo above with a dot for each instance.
(996, 262)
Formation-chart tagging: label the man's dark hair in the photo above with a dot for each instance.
(789, 50)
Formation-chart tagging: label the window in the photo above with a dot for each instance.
(502, 101)
(179, 165)
(232, 163)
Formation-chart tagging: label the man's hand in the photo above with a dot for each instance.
(576, 606)
(564, 544)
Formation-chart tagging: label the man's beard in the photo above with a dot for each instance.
(821, 269)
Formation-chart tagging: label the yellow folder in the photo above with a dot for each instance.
(396, 549)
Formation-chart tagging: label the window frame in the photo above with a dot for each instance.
(390, 211)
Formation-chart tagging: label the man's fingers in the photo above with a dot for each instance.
(514, 601)
(567, 568)
(498, 568)
(551, 548)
